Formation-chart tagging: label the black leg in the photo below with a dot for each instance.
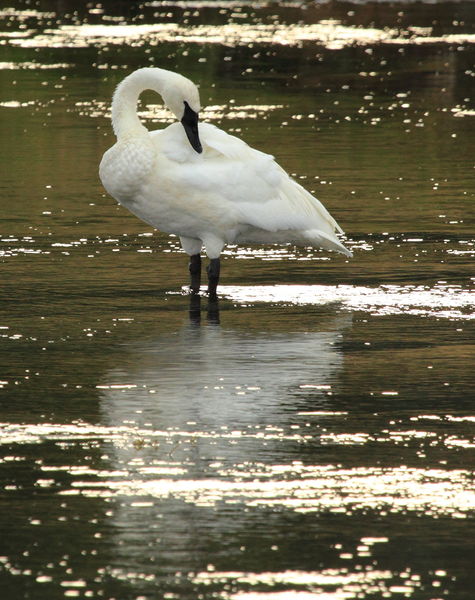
(195, 309)
(195, 273)
(213, 277)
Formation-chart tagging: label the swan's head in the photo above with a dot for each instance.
(179, 94)
(182, 98)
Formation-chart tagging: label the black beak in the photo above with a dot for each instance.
(190, 124)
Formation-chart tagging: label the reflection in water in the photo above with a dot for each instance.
(207, 408)
(224, 380)
(223, 467)
(238, 457)
(220, 416)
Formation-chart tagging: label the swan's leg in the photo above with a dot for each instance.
(195, 273)
(193, 247)
(213, 277)
(214, 245)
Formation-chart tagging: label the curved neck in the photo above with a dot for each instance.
(125, 120)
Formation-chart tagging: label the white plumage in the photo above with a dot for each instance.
(202, 184)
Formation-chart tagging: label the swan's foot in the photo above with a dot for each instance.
(213, 277)
(195, 273)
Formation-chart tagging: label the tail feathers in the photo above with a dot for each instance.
(326, 241)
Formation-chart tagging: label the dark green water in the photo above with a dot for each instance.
(315, 437)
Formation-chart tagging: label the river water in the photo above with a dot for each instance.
(314, 435)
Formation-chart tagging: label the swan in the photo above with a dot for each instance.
(205, 186)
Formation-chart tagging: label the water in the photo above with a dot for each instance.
(313, 436)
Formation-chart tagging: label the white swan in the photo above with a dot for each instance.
(205, 186)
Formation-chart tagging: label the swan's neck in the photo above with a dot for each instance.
(125, 120)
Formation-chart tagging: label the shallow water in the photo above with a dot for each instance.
(312, 436)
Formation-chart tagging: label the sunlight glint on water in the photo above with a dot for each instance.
(441, 301)
(314, 436)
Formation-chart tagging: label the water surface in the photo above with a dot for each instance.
(313, 435)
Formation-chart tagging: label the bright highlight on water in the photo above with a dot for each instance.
(314, 439)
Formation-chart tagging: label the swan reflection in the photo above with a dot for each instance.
(206, 380)
(208, 408)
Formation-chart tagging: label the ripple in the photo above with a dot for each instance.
(30, 65)
(24, 14)
(330, 584)
(312, 489)
(293, 486)
(157, 113)
(329, 33)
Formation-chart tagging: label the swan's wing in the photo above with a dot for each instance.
(246, 187)
(265, 194)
